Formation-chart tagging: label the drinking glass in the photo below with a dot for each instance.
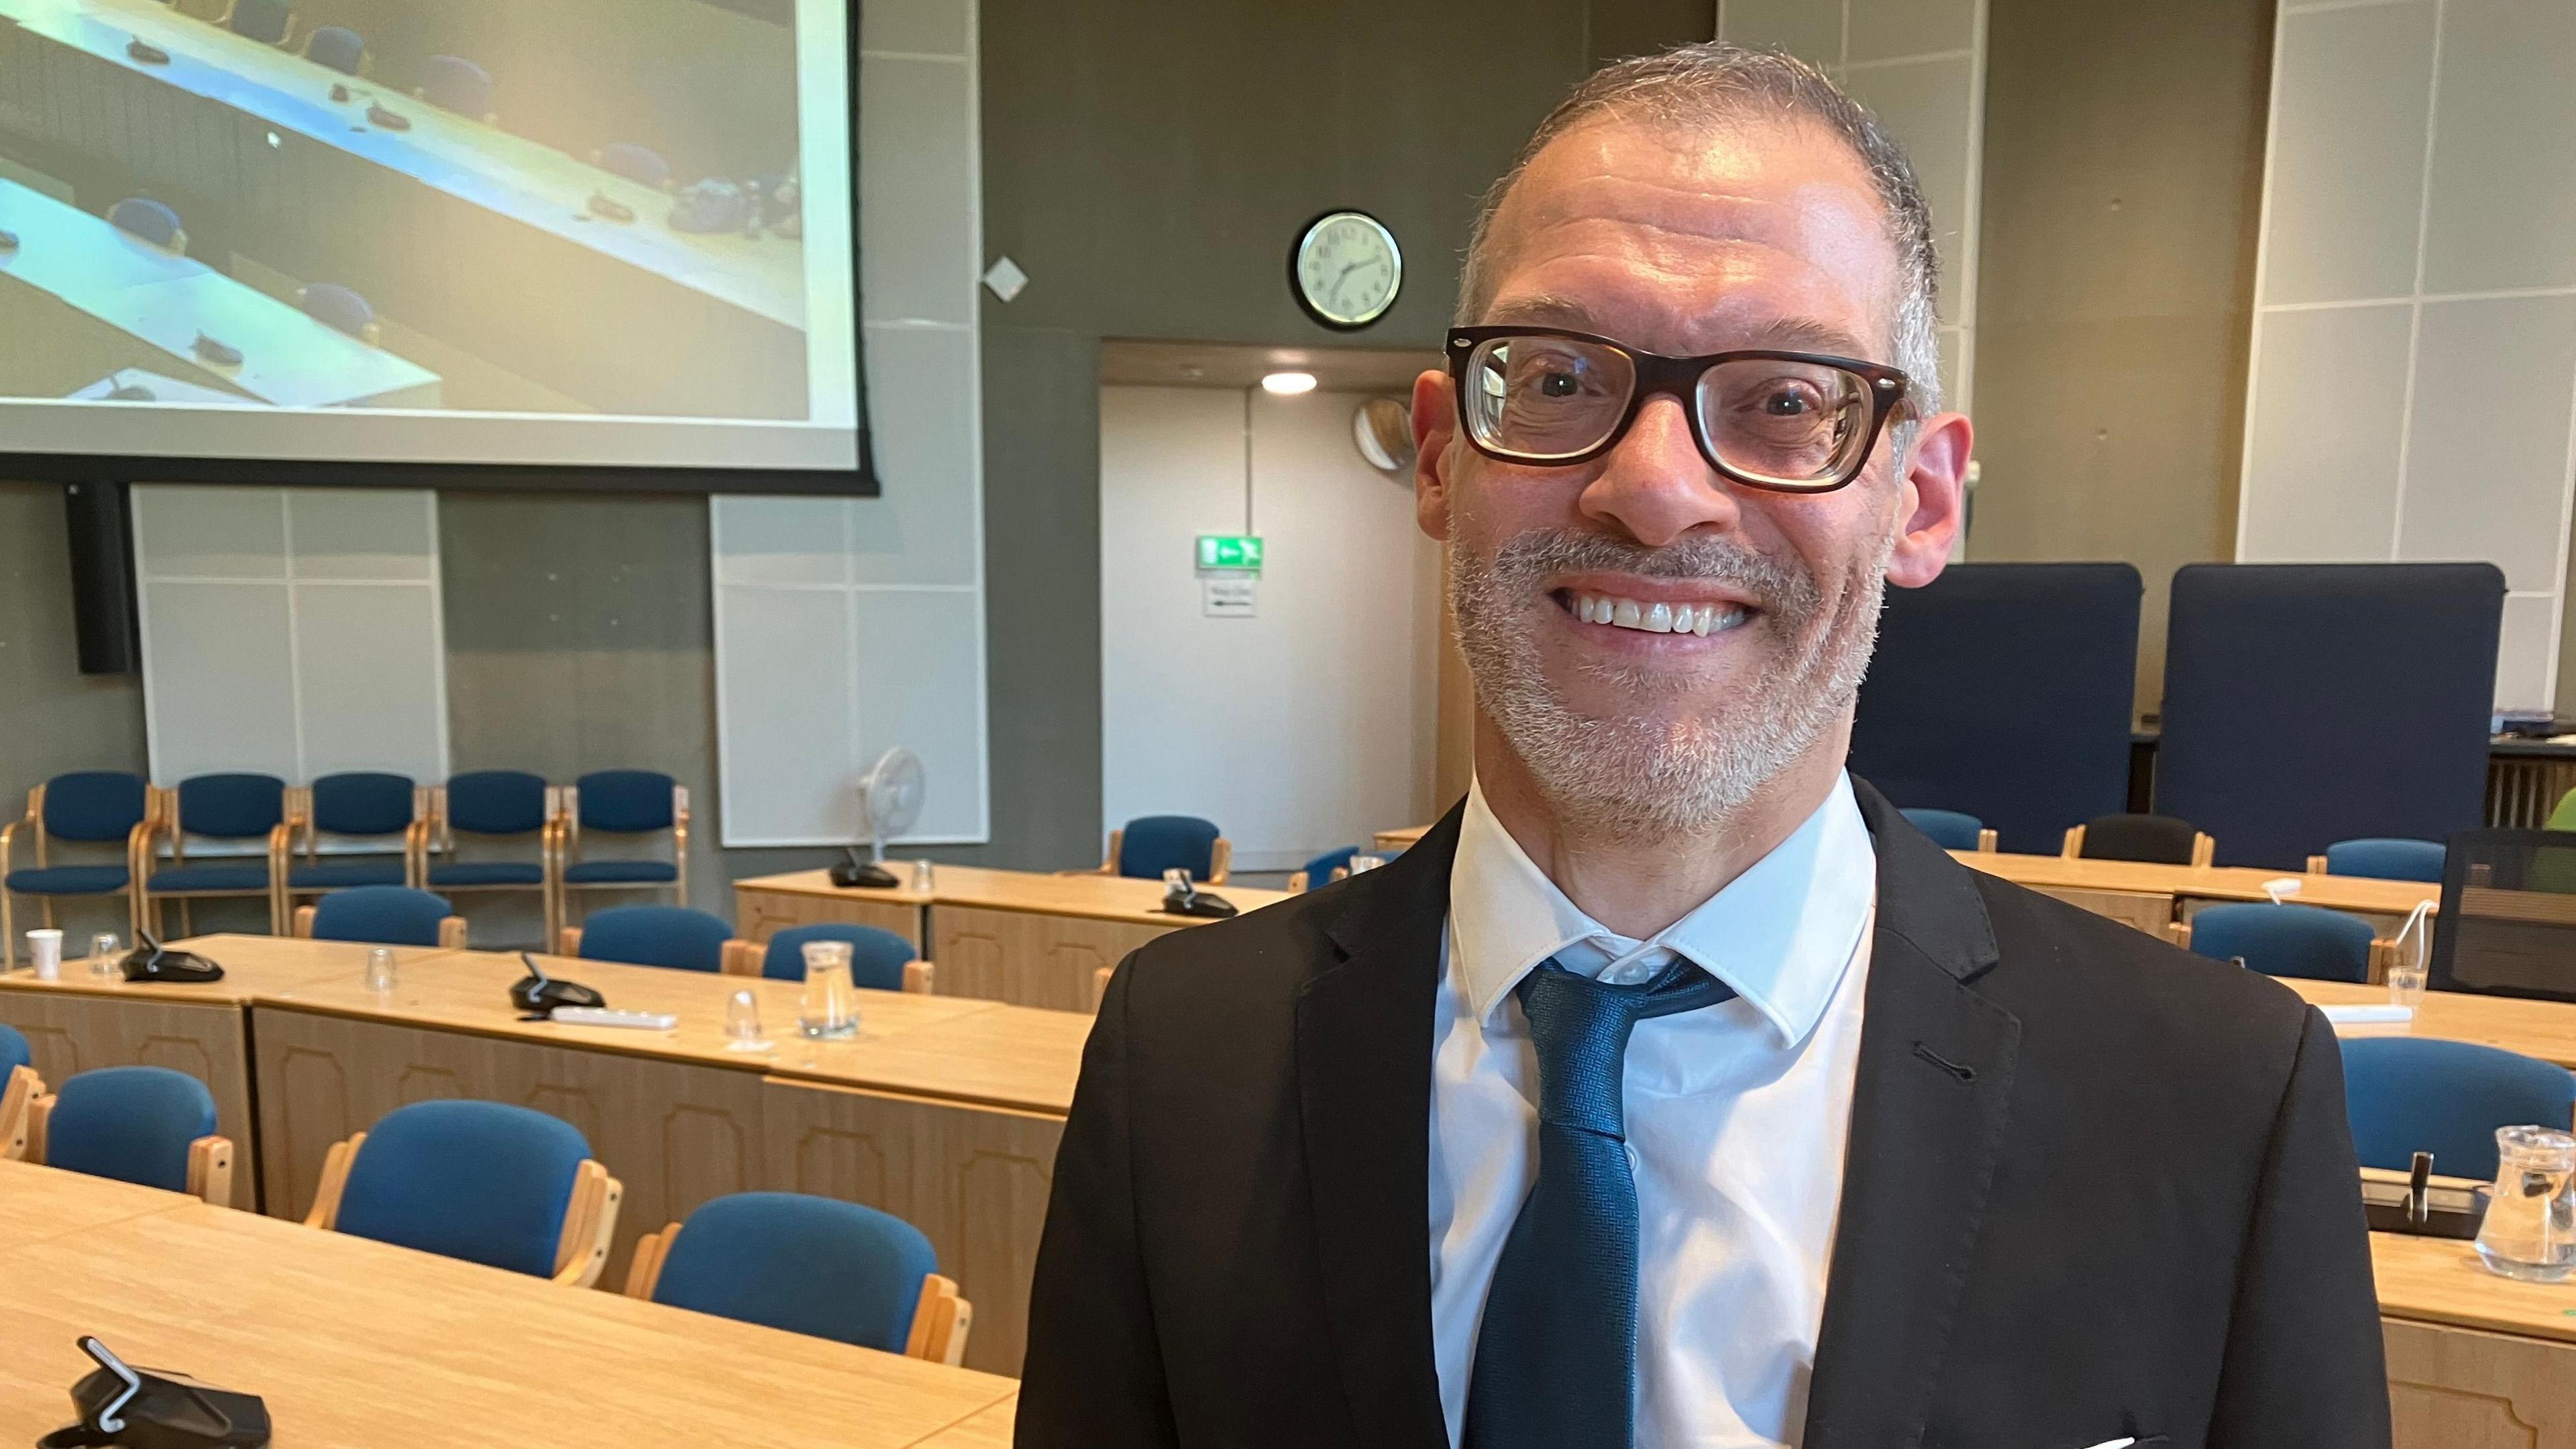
(742, 1023)
(380, 969)
(103, 960)
(830, 1008)
(921, 876)
(45, 953)
(2530, 1227)
(2408, 967)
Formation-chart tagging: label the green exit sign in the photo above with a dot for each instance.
(1238, 552)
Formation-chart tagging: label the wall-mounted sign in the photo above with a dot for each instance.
(1229, 552)
(1229, 598)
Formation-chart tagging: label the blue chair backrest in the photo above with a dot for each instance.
(2419, 1094)
(384, 915)
(1154, 844)
(680, 937)
(456, 84)
(93, 805)
(338, 47)
(262, 20)
(497, 802)
(2302, 941)
(14, 1051)
(625, 802)
(130, 1123)
(811, 1265)
(146, 218)
(231, 806)
(635, 163)
(482, 1181)
(1949, 829)
(877, 955)
(338, 308)
(1319, 871)
(2387, 858)
(362, 802)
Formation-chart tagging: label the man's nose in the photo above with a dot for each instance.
(1655, 485)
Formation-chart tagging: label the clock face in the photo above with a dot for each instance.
(1346, 269)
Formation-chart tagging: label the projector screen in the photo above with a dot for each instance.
(418, 240)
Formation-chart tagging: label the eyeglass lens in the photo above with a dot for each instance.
(1543, 399)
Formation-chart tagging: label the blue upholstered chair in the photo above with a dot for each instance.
(674, 936)
(2283, 940)
(880, 960)
(813, 1265)
(508, 1187)
(14, 1051)
(635, 163)
(2382, 858)
(2419, 1094)
(341, 310)
(92, 807)
(150, 221)
(493, 806)
(228, 809)
(352, 808)
(267, 21)
(338, 47)
(1152, 844)
(453, 83)
(1320, 872)
(1952, 829)
(629, 804)
(2155, 839)
(19, 1089)
(382, 915)
(147, 1125)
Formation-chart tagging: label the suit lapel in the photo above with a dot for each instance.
(1928, 1114)
(1364, 1087)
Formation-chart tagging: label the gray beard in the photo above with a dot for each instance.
(1631, 774)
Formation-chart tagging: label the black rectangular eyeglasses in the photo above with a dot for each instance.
(1790, 422)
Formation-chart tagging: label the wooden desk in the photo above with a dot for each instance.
(1002, 935)
(81, 1022)
(449, 225)
(85, 299)
(357, 1343)
(38, 1204)
(2543, 1029)
(2475, 1361)
(1399, 839)
(944, 1111)
(2152, 896)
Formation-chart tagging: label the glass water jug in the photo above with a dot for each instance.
(830, 1009)
(2530, 1227)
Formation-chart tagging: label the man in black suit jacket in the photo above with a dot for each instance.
(2087, 1190)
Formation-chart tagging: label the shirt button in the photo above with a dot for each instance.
(1632, 1156)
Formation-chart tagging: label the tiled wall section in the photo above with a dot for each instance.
(2414, 368)
(1921, 65)
(844, 626)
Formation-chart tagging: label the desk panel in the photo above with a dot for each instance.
(2474, 1361)
(1026, 958)
(760, 911)
(73, 1034)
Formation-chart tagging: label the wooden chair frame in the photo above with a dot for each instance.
(940, 1318)
(2204, 846)
(2383, 951)
(745, 958)
(1220, 859)
(451, 929)
(161, 816)
(210, 1158)
(298, 837)
(434, 833)
(567, 811)
(581, 1247)
(34, 822)
(18, 1097)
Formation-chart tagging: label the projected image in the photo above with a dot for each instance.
(484, 211)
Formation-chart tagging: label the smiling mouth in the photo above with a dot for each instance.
(1655, 617)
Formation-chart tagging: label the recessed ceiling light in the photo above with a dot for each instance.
(1288, 384)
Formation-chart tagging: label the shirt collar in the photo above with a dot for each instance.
(1781, 934)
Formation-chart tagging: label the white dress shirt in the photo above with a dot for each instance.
(1736, 1113)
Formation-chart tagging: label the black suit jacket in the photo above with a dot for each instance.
(2096, 1187)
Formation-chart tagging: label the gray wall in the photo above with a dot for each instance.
(2123, 171)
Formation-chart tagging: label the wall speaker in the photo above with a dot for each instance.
(102, 547)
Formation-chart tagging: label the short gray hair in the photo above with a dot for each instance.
(1714, 83)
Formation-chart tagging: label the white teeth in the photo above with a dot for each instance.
(1700, 619)
(1659, 619)
(1627, 615)
(1707, 616)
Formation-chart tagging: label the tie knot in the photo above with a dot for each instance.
(1581, 1027)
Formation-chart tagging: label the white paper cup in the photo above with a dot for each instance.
(45, 949)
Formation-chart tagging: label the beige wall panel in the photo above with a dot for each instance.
(69, 1034)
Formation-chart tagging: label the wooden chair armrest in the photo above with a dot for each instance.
(138, 846)
(1986, 841)
(451, 932)
(2383, 954)
(335, 1181)
(304, 921)
(2316, 865)
(2204, 849)
(568, 941)
(1297, 883)
(919, 977)
(644, 1270)
(416, 852)
(8, 838)
(1100, 986)
(940, 1320)
(2074, 842)
(1109, 859)
(39, 1112)
(17, 1095)
(590, 1222)
(210, 1169)
(1220, 861)
(742, 958)
(2179, 932)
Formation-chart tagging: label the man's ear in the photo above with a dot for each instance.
(1435, 425)
(1934, 497)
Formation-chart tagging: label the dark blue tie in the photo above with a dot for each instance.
(1556, 1352)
